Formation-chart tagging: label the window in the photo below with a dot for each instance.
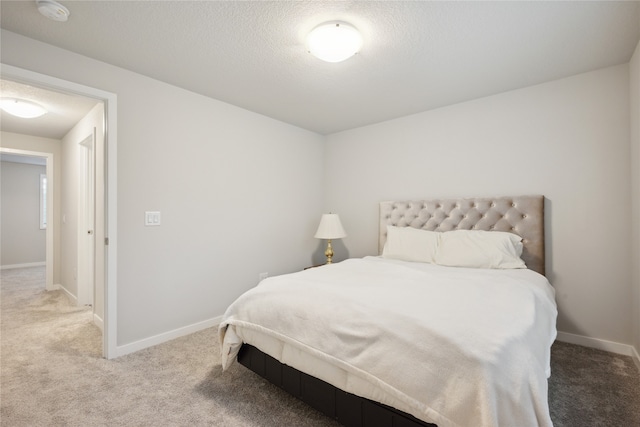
(43, 201)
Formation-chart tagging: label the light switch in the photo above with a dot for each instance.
(151, 218)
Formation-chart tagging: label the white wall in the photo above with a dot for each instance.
(22, 240)
(567, 139)
(634, 74)
(43, 145)
(239, 193)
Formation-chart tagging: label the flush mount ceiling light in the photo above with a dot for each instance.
(334, 41)
(53, 10)
(22, 108)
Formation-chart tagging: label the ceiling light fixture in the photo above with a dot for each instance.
(53, 10)
(334, 41)
(22, 108)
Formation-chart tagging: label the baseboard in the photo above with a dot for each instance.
(122, 350)
(636, 357)
(97, 320)
(26, 265)
(610, 346)
(72, 298)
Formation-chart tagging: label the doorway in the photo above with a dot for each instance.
(107, 272)
(49, 230)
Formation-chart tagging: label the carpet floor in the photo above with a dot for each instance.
(52, 374)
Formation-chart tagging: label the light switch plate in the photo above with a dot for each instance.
(152, 218)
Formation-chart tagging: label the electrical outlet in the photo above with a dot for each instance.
(262, 276)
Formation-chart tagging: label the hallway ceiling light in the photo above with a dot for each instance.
(53, 10)
(334, 41)
(22, 108)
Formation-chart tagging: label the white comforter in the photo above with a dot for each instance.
(453, 346)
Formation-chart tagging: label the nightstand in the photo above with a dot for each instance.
(314, 266)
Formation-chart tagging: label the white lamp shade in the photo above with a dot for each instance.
(334, 42)
(330, 227)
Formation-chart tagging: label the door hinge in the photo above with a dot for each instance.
(106, 241)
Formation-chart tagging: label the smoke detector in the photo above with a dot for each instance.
(53, 10)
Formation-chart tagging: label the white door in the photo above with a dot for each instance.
(86, 222)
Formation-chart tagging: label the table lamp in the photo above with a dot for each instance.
(330, 228)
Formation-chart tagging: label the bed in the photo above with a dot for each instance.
(394, 341)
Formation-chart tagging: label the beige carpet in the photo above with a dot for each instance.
(52, 374)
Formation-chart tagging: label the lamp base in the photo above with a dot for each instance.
(329, 252)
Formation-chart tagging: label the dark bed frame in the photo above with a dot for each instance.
(522, 215)
(346, 408)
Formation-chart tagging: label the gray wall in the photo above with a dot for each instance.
(566, 139)
(21, 239)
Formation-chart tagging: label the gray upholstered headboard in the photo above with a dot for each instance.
(522, 215)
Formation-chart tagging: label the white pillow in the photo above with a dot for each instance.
(480, 249)
(410, 244)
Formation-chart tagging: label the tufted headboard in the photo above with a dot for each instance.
(522, 215)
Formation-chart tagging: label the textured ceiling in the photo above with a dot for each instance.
(416, 56)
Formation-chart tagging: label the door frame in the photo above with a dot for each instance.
(110, 341)
(49, 231)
